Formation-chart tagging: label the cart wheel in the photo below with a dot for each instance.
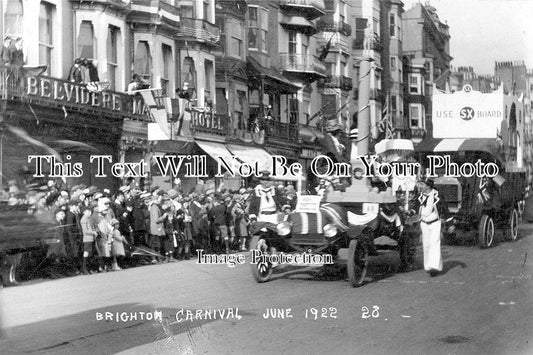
(357, 263)
(486, 231)
(262, 270)
(512, 229)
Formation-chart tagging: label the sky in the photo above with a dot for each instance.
(485, 31)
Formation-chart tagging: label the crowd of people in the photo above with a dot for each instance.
(99, 230)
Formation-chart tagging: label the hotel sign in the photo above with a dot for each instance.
(76, 95)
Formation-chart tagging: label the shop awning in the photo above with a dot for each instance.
(394, 146)
(251, 155)
(487, 145)
(218, 151)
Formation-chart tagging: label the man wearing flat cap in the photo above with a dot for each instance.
(430, 225)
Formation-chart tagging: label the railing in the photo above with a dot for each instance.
(327, 24)
(338, 81)
(281, 131)
(208, 122)
(418, 133)
(198, 30)
(54, 92)
(301, 63)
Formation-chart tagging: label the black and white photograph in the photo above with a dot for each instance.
(266, 177)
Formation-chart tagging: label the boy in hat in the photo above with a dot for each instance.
(430, 224)
(218, 217)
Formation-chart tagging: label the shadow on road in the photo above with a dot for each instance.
(83, 332)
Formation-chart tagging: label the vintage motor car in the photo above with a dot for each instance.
(331, 231)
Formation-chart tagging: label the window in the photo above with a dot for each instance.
(236, 40)
(258, 29)
(46, 44)
(239, 108)
(143, 60)
(112, 61)
(86, 40)
(166, 51)
(13, 18)
(330, 5)
(188, 72)
(187, 11)
(416, 116)
(208, 81)
(305, 108)
(343, 65)
(206, 10)
(393, 64)
(360, 27)
(292, 42)
(414, 84)
(392, 25)
(393, 105)
(342, 12)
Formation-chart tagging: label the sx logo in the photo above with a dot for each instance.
(466, 113)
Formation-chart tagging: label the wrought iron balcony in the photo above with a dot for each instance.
(280, 131)
(311, 9)
(79, 97)
(199, 31)
(337, 81)
(302, 63)
(327, 23)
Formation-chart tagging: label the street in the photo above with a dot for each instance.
(481, 304)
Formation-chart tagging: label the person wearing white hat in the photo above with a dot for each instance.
(430, 225)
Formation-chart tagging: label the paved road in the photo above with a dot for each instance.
(482, 304)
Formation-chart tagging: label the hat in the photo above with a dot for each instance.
(58, 210)
(225, 196)
(114, 221)
(210, 191)
(154, 188)
(13, 189)
(73, 202)
(146, 195)
(98, 195)
(265, 175)
(429, 182)
(91, 190)
(124, 189)
(172, 193)
(87, 208)
(334, 125)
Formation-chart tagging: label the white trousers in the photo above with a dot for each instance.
(431, 245)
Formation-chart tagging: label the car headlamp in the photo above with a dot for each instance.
(330, 230)
(283, 228)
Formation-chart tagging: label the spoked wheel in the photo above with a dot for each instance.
(8, 276)
(263, 269)
(521, 206)
(357, 263)
(512, 227)
(486, 231)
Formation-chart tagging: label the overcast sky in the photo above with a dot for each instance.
(485, 31)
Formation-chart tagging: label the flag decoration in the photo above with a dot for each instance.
(158, 112)
(385, 124)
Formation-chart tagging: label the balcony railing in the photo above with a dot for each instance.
(304, 63)
(327, 23)
(338, 81)
(59, 93)
(373, 44)
(199, 31)
(204, 121)
(275, 130)
(311, 9)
